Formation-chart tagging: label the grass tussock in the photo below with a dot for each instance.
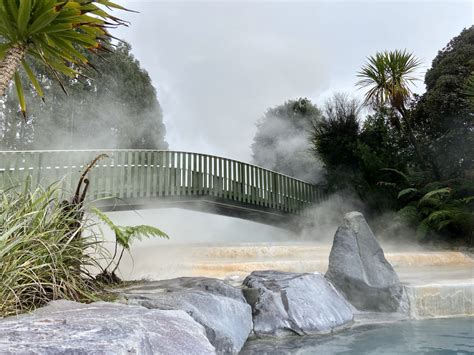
(48, 250)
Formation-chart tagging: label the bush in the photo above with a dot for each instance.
(45, 252)
(50, 249)
(437, 209)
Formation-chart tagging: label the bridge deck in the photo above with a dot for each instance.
(146, 178)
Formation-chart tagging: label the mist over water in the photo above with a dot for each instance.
(203, 244)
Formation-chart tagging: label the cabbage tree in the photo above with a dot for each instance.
(388, 76)
(52, 32)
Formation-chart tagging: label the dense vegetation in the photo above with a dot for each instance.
(412, 154)
(49, 247)
(95, 113)
(55, 33)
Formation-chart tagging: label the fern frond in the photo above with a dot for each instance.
(434, 193)
(145, 231)
(103, 217)
(467, 200)
(407, 191)
(124, 235)
(438, 216)
(398, 172)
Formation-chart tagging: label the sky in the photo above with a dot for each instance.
(219, 65)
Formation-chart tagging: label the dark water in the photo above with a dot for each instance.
(433, 336)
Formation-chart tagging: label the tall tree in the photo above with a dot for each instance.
(334, 137)
(444, 115)
(281, 142)
(355, 152)
(50, 31)
(129, 115)
(388, 76)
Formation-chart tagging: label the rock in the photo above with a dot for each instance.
(359, 270)
(66, 327)
(251, 295)
(218, 306)
(296, 303)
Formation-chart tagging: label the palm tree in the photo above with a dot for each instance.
(389, 75)
(52, 32)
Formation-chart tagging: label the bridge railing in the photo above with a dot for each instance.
(147, 174)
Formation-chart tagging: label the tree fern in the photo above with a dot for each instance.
(124, 236)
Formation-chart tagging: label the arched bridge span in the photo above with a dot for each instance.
(138, 179)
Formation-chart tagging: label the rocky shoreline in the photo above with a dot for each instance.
(204, 315)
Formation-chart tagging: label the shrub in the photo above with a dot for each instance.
(434, 207)
(45, 252)
(51, 249)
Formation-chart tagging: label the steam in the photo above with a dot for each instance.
(101, 113)
(217, 66)
(289, 152)
(327, 216)
(189, 231)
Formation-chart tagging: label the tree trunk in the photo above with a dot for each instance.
(10, 64)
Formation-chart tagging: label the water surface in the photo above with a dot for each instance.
(433, 336)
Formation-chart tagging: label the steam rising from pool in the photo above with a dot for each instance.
(439, 283)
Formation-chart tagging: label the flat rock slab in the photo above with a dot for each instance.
(296, 303)
(359, 270)
(218, 306)
(65, 327)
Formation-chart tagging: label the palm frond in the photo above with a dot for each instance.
(52, 31)
(388, 77)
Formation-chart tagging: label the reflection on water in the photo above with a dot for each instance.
(434, 336)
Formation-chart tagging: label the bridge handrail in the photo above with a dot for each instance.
(156, 173)
(155, 150)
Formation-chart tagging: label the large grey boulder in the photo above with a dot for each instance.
(66, 327)
(296, 303)
(218, 306)
(359, 270)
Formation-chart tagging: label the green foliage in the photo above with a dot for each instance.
(334, 136)
(388, 76)
(50, 249)
(354, 154)
(52, 31)
(124, 235)
(407, 191)
(119, 87)
(282, 137)
(418, 148)
(469, 88)
(440, 207)
(444, 116)
(41, 257)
